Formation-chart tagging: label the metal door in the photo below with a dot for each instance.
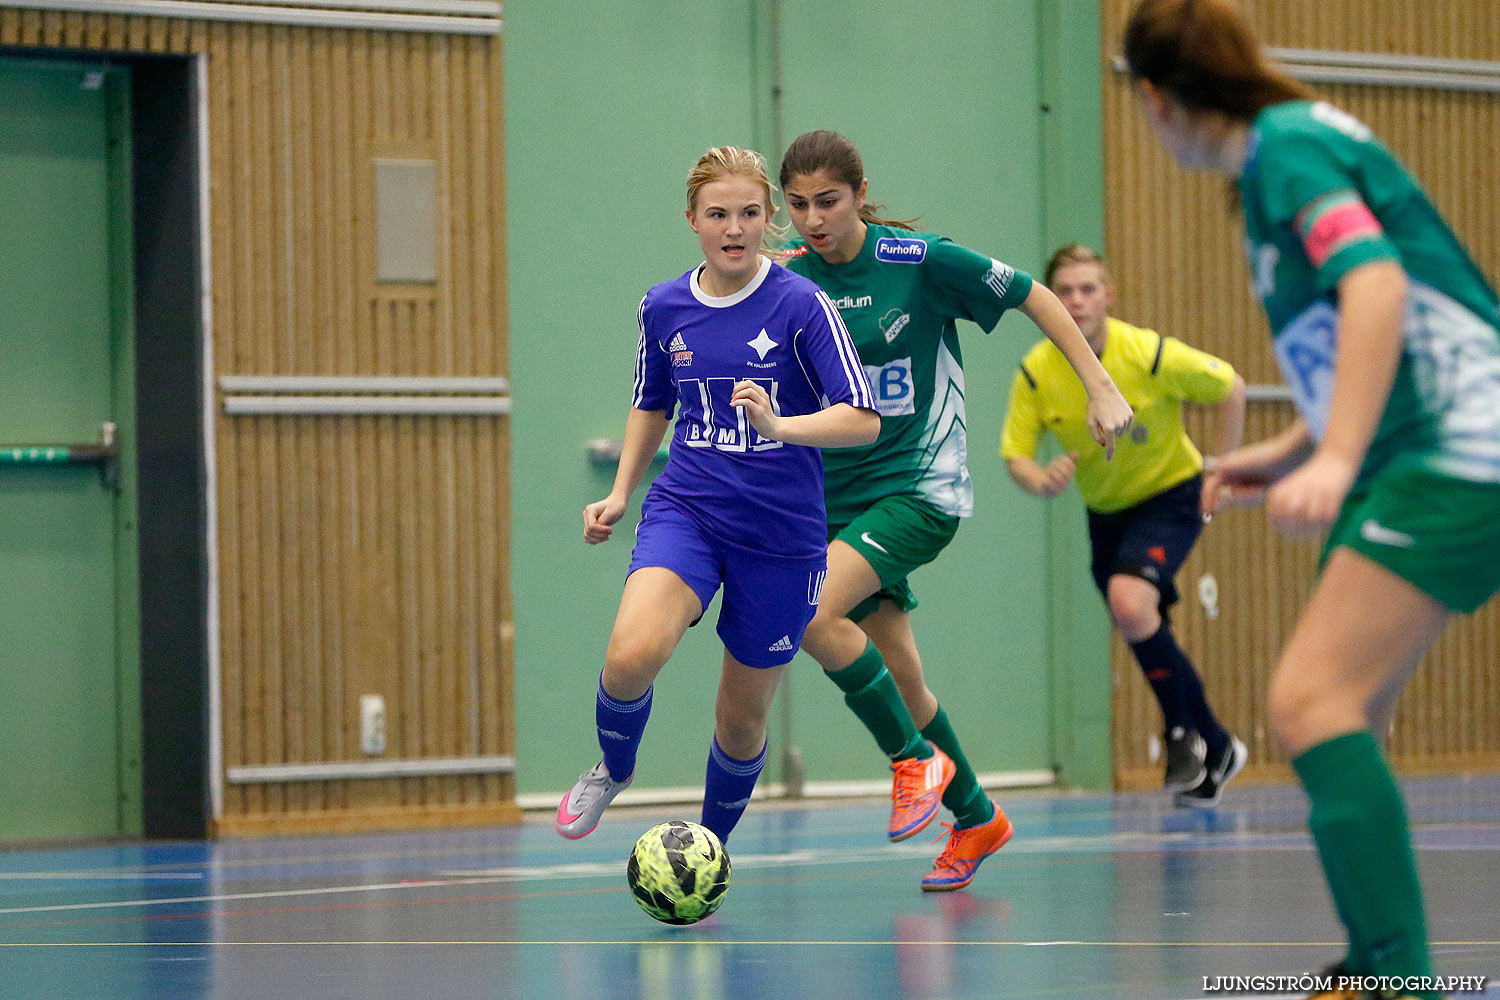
(69, 662)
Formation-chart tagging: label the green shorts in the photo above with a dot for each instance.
(1440, 534)
(895, 535)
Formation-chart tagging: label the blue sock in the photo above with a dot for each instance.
(727, 787)
(621, 724)
(1178, 688)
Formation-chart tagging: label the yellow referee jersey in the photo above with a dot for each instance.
(1156, 375)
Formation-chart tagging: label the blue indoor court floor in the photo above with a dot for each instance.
(1119, 897)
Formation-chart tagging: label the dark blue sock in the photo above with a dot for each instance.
(1178, 689)
(1157, 656)
(621, 724)
(1204, 721)
(727, 787)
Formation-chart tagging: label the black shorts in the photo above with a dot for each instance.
(1150, 540)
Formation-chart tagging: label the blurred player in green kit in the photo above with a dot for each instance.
(895, 504)
(1389, 338)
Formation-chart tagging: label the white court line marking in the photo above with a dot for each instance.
(693, 942)
(227, 897)
(1231, 840)
(584, 870)
(102, 876)
(740, 862)
(612, 869)
(892, 852)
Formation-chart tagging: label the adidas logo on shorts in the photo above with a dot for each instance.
(782, 645)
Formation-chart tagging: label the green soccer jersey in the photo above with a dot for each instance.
(1321, 196)
(900, 298)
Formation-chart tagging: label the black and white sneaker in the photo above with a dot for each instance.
(1225, 766)
(1185, 765)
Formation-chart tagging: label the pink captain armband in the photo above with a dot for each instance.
(1331, 224)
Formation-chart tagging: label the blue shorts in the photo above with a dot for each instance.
(767, 603)
(1150, 540)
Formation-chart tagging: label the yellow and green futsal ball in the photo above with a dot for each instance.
(678, 872)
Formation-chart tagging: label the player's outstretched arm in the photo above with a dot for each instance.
(836, 426)
(1109, 414)
(1249, 470)
(644, 430)
(1372, 303)
(1231, 421)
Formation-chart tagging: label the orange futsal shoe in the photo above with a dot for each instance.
(1346, 994)
(1340, 979)
(959, 861)
(917, 791)
(1337, 994)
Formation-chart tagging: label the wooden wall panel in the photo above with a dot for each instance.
(1176, 252)
(358, 555)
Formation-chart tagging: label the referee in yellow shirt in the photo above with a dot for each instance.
(1146, 506)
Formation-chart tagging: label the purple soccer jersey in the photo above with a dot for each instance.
(781, 331)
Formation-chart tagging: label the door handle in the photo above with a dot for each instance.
(105, 453)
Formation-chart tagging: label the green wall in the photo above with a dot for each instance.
(607, 105)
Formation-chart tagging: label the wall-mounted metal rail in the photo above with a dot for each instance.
(290, 406)
(342, 770)
(1383, 69)
(1268, 394)
(365, 395)
(457, 17)
(449, 384)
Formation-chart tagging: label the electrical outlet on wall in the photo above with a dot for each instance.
(372, 724)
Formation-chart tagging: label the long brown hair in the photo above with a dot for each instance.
(1203, 54)
(819, 150)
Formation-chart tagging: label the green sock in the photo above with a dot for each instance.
(1358, 821)
(871, 693)
(963, 796)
